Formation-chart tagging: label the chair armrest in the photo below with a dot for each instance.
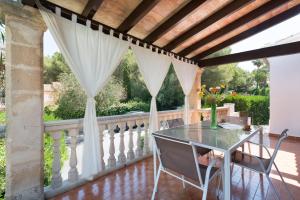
(262, 145)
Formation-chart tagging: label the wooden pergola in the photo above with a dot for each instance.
(189, 29)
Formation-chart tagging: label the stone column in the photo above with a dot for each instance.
(195, 103)
(24, 101)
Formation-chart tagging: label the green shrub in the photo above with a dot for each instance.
(256, 106)
(2, 168)
(123, 108)
(72, 100)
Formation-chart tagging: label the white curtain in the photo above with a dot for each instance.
(92, 57)
(186, 74)
(154, 68)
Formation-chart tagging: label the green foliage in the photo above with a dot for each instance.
(256, 106)
(53, 67)
(123, 108)
(216, 75)
(132, 81)
(2, 168)
(72, 99)
(242, 81)
(170, 95)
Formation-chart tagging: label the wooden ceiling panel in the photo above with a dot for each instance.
(75, 6)
(199, 14)
(221, 23)
(114, 12)
(247, 26)
(156, 16)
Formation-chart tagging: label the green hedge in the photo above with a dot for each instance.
(117, 109)
(256, 106)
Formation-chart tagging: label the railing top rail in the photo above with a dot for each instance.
(77, 123)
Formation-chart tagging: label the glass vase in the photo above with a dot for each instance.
(213, 117)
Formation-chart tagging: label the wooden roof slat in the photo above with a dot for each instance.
(173, 20)
(228, 9)
(234, 25)
(91, 8)
(136, 15)
(261, 27)
(278, 50)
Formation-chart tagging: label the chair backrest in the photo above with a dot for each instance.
(178, 157)
(175, 123)
(237, 120)
(282, 137)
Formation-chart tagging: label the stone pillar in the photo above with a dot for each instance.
(195, 103)
(24, 101)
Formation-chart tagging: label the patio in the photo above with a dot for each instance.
(117, 161)
(135, 182)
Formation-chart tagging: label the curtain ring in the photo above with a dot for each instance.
(88, 23)
(74, 17)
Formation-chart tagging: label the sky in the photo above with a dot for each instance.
(269, 36)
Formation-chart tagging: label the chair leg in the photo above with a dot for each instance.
(220, 178)
(249, 148)
(156, 182)
(270, 182)
(183, 183)
(284, 183)
(205, 189)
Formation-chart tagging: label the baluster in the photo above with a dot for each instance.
(130, 153)
(73, 172)
(146, 138)
(112, 158)
(122, 157)
(139, 150)
(56, 180)
(101, 130)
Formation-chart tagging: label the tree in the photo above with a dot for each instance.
(215, 75)
(241, 81)
(54, 66)
(261, 74)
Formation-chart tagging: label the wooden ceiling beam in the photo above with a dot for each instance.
(234, 25)
(173, 20)
(227, 10)
(136, 15)
(259, 28)
(91, 8)
(279, 50)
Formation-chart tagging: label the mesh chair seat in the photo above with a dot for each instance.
(249, 161)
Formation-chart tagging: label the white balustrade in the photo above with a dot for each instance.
(56, 180)
(112, 159)
(139, 150)
(73, 172)
(129, 147)
(122, 157)
(130, 153)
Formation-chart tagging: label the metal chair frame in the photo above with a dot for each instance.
(202, 186)
(266, 171)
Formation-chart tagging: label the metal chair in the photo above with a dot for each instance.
(173, 123)
(179, 159)
(262, 165)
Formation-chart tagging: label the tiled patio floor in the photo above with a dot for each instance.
(136, 181)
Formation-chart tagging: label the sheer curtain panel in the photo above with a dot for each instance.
(154, 68)
(92, 56)
(186, 74)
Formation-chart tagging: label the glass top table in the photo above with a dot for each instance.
(220, 139)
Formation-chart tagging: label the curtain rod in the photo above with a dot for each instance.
(67, 14)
